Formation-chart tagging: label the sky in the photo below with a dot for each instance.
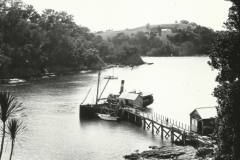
(101, 15)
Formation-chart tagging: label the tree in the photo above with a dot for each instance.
(91, 56)
(8, 108)
(225, 57)
(193, 24)
(120, 38)
(148, 26)
(186, 48)
(15, 127)
(184, 21)
(159, 29)
(189, 29)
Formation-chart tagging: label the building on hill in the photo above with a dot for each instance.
(166, 30)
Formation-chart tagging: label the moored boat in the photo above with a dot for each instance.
(91, 110)
(110, 77)
(107, 117)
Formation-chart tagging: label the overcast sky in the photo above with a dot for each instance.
(121, 14)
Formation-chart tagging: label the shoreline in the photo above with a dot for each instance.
(187, 152)
(19, 80)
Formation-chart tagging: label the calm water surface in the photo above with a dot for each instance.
(55, 131)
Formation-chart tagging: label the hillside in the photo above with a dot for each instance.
(177, 39)
(130, 32)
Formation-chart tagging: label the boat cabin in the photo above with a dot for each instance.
(131, 99)
(147, 97)
(201, 120)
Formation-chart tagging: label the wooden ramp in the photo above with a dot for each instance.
(167, 127)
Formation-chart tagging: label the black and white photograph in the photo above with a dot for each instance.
(119, 80)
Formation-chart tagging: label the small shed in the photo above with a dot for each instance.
(201, 120)
(131, 99)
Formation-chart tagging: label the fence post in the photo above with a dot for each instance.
(172, 135)
(144, 123)
(152, 127)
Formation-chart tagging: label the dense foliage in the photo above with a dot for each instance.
(178, 42)
(33, 43)
(194, 42)
(225, 56)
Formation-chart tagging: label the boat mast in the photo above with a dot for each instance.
(98, 87)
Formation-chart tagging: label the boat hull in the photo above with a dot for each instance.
(147, 100)
(89, 111)
(107, 117)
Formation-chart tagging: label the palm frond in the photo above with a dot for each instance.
(15, 127)
(8, 106)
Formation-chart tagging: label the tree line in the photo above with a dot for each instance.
(184, 42)
(31, 43)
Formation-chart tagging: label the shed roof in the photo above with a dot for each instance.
(206, 112)
(129, 96)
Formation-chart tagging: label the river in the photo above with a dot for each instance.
(55, 132)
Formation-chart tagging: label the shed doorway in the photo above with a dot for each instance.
(199, 127)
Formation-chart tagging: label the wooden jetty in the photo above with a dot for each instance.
(166, 127)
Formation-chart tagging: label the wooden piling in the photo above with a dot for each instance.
(184, 138)
(161, 131)
(144, 123)
(171, 127)
(172, 135)
(152, 127)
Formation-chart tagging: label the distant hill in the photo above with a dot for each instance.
(130, 32)
(162, 40)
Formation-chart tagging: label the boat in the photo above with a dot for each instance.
(147, 98)
(107, 117)
(110, 77)
(102, 106)
(149, 63)
(112, 103)
(139, 99)
(110, 112)
(90, 110)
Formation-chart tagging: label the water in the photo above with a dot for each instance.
(52, 116)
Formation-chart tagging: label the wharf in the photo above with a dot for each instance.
(178, 132)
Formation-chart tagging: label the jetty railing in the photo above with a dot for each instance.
(163, 120)
(172, 128)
